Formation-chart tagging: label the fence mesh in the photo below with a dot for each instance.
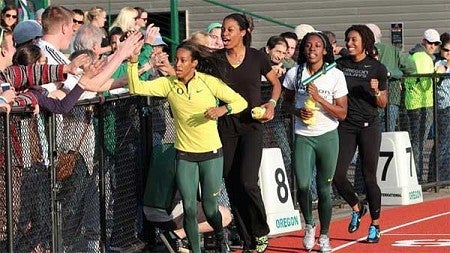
(100, 204)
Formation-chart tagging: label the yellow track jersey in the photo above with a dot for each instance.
(194, 132)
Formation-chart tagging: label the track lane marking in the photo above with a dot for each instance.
(390, 229)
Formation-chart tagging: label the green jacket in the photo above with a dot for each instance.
(397, 64)
(143, 58)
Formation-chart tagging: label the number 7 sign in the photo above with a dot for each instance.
(396, 173)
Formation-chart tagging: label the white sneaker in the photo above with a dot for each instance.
(324, 243)
(309, 240)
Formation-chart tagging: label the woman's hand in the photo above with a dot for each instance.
(75, 65)
(90, 71)
(163, 64)
(314, 92)
(374, 85)
(214, 113)
(131, 46)
(305, 113)
(151, 33)
(7, 107)
(9, 95)
(269, 113)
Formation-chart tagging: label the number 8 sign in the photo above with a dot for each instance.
(273, 181)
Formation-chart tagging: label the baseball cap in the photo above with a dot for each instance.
(213, 26)
(38, 13)
(27, 30)
(432, 35)
(159, 41)
(302, 30)
(376, 31)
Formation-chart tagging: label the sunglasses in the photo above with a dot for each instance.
(78, 22)
(10, 16)
(445, 49)
(433, 43)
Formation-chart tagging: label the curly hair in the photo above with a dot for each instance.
(328, 58)
(367, 38)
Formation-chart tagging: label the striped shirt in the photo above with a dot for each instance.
(54, 56)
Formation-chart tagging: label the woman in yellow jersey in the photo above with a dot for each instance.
(193, 98)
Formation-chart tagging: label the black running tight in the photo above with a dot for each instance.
(368, 140)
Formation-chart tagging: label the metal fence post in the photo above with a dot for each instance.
(8, 179)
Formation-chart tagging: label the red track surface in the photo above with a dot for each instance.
(423, 228)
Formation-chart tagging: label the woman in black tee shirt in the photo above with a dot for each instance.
(241, 135)
(366, 83)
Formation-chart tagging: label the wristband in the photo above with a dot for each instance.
(273, 101)
(229, 108)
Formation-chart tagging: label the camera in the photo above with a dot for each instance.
(5, 86)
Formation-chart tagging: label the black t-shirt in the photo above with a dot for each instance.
(246, 79)
(362, 106)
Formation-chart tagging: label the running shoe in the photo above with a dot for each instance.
(374, 234)
(309, 240)
(324, 244)
(356, 218)
(261, 243)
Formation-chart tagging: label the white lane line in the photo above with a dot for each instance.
(390, 229)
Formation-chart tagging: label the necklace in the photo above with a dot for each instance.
(236, 59)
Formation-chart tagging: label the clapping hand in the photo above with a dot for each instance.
(74, 66)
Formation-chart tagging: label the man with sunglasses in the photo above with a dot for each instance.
(78, 21)
(419, 96)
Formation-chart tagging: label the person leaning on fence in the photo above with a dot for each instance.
(21, 78)
(316, 145)
(32, 54)
(275, 50)
(195, 111)
(442, 66)
(419, 96)
(398, 64)
(366, 82)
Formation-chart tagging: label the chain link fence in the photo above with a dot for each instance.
(98, 208)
